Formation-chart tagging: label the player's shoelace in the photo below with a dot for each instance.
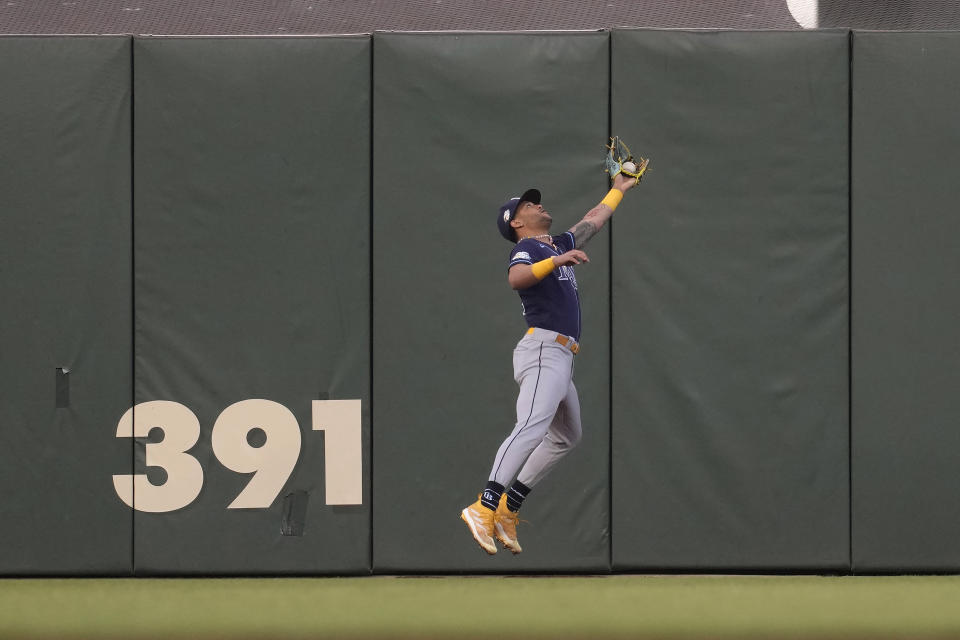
(511, 518)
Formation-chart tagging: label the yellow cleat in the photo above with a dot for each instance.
(480, 521)
(505, 524)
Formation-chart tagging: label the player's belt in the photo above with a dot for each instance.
(566, 341)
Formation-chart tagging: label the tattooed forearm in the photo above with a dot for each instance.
(582, 232)
(590, 225)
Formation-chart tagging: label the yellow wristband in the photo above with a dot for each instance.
(543, 268)
(613, 198)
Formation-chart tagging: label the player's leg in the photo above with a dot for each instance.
(544, 376)
(543, 372)
(564, 434)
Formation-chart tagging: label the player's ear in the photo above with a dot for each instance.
(516, 224)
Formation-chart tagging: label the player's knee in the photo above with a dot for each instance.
(570, 439)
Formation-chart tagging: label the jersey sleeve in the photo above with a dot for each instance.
(564, 242)
(523, 253)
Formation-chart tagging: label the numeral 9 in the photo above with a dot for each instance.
(272, 463)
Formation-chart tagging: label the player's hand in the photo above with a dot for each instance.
(574, 256)
(623, 182)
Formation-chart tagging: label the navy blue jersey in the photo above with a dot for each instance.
(553, 303)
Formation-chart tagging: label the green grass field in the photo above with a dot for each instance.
(484, 607)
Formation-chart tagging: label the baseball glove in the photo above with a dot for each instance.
(620, 160)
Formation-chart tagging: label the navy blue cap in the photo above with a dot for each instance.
(509, 209)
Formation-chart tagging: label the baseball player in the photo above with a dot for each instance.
(548, 410)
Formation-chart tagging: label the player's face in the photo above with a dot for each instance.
(533, 215)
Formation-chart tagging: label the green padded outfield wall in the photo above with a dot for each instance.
(906, 335)
(462, 122)
(730, 312)
(65, 289)
(252, 283)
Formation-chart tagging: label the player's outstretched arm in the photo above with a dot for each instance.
(523, 276)
(598, 216)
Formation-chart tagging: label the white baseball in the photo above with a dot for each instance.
(629, 166)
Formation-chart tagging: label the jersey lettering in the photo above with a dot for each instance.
(566, 273)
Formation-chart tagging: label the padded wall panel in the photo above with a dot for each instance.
(252, 282)
(730, 313)
(906, 338)
(65, 291)
(461, 123)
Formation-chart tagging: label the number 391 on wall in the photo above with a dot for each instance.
(272, 463)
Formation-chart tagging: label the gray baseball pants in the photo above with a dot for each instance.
(548, 411)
